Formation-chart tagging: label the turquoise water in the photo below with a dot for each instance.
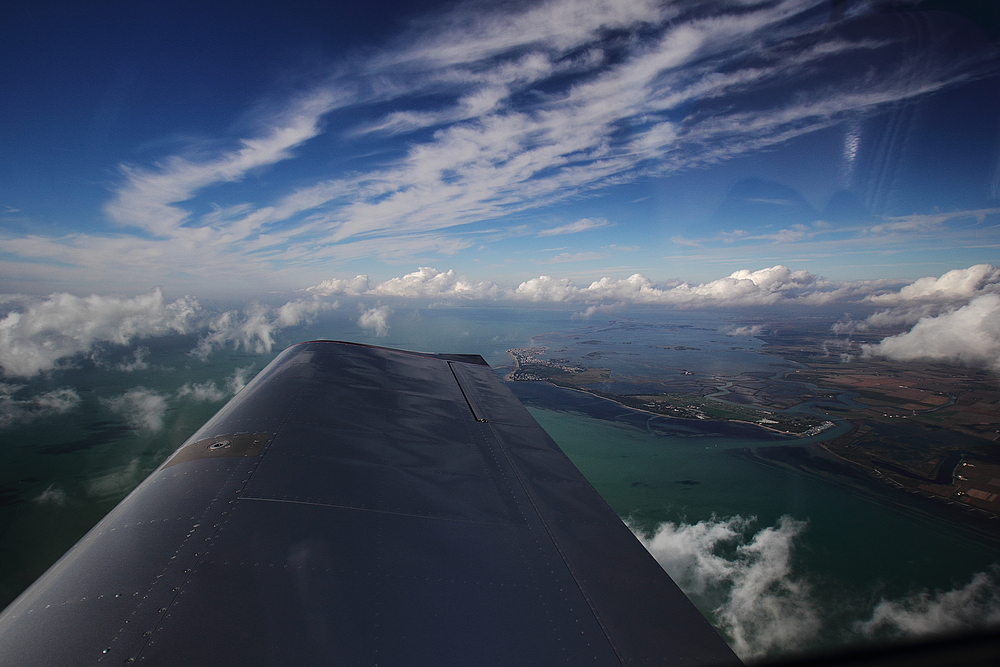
(60, 474)
(856, 548)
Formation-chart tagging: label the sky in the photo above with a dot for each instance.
(237, 149)
(229, 171)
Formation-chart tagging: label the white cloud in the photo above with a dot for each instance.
(428, 282)
(974, 606)
(15, 410)
(769, 286)
(932, 296)
(957, 286)
(201, 391)
(747, 331)
(581, 225)
(238, 380)
(209, 391)
(253, 329)
(594, 310)
(547, 288)
(47, 331)
(376, 319)
(148, 196)
(349, 287)
(759, 604)
(137, 363)
(848, 325)
(140, 407)
(529, 108)
(746, 583)
(969, 335)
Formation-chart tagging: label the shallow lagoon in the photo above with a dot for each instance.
(59, 476)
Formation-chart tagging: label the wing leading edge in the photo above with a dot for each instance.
(356, 505)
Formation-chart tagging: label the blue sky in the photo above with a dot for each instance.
(240, 150)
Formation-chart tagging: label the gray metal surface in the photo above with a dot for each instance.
(356, 505)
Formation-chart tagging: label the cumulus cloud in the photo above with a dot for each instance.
(14, 410)
(239, 379)
(747, 584)
(209, 391)
(590, 311)
(137, 363)
(932, 296)
(376, 319)
(759, 605)
(974, 606)
(747, 331)
(957, 286)
(770, 286)
(428, 282)
(47, 331)
(969, 335)
(350, 287)
(201, 391)
(547, 288)
(848, 325)
(424, 282)
(253, 328)
(141, 408)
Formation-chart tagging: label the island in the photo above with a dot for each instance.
(930, 430)
(528, 367)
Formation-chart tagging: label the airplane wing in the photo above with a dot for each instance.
(357, 505)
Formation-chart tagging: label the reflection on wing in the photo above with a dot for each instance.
(356, 505)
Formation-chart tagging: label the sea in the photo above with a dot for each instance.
(779, 560)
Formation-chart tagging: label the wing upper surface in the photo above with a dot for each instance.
(356, 505)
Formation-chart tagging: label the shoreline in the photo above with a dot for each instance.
(824, 425)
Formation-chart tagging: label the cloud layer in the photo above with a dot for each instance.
(769, 286)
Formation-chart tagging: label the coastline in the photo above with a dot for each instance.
(551, 371)
(812, 459)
